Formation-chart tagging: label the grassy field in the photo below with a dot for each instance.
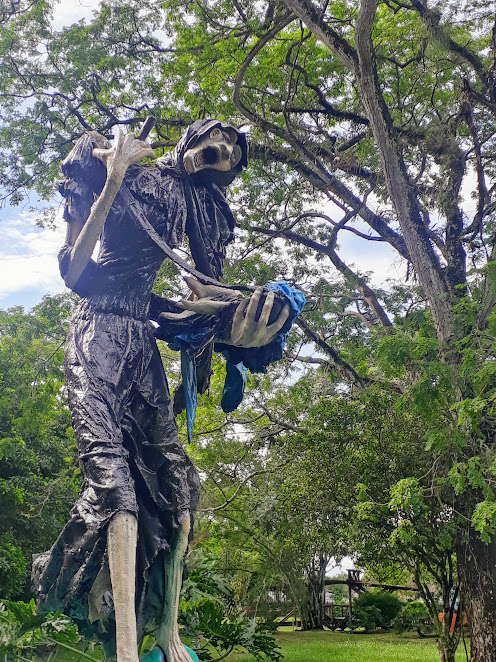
(334, 647)
(346, 647)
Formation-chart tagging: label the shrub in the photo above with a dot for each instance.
(26, 635)
(214, 623)
(413, 618)
(372, 610)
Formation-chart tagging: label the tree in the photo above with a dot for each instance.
(359, 471)
(38, 474)
(386, 111)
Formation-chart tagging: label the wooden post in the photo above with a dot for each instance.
(350, 573)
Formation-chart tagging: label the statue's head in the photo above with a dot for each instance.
(209, 151)
(218, 150)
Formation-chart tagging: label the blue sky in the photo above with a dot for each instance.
(28, 259)
(28, 255)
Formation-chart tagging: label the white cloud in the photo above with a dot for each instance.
(28, 257)
(379, 258)
(66, 13)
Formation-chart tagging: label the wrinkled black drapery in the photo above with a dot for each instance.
(129, 454)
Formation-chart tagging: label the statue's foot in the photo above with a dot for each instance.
(178, 652)
(193, 656)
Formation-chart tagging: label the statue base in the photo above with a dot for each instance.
(157, 655)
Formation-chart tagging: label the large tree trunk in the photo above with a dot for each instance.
(312, 612)
(312, 605)
(477, 575)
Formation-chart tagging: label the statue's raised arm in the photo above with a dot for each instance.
(125, 151)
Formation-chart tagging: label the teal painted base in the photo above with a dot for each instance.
(191, 653)
(156, 655)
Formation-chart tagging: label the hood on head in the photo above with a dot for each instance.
(190, 138)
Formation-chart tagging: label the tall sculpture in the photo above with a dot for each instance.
(117, 565)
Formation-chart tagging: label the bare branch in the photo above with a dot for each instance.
(315, 360)
(326, 182)
(344, 369)
(262, 472)
(358, 281)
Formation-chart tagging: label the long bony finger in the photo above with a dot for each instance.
(266, 309)
(204, 306)
(239, 322)
(276, 326)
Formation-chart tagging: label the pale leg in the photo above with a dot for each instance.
(168, 634)
(121, 545)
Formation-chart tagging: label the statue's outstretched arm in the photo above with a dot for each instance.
(125, 151)
(252, 325)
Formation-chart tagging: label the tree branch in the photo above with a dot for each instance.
(326, 182)
(403, 197)
(313, 19)
(342, 366)
(243, 482)
(358, 281)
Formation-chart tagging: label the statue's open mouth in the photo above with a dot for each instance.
(215, 153)
(211, 156)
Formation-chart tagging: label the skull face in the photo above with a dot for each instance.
(216, 151)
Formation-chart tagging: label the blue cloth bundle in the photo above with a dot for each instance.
(238, 359)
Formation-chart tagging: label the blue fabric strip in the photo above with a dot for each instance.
(188, 373)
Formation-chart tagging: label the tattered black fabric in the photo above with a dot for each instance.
(129, 454)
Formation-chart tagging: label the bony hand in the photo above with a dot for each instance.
(211, 300)
(125, 151)
(247, 330)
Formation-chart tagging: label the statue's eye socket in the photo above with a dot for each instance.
(215, 134)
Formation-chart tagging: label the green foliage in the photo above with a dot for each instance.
(414, 617)
(38, 471)
(204, 582)
(368, 617)
(12, 566)
(214, 623)
(25, 635)
(484, 520)
(372, 610)
(339, 591)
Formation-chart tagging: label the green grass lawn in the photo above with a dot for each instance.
(324, 646)
(346, 647)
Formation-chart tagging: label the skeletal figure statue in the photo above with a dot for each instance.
(117, 565)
